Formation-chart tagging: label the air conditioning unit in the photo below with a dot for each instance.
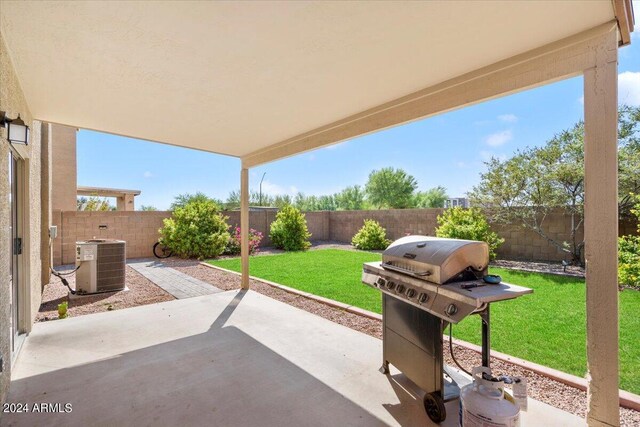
(101, 266)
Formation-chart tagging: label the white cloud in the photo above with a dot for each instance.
(509, 118)
(581, 100)
(275, 189)
(629, 88)
(499, 138)
(461, 165)
(147, 174)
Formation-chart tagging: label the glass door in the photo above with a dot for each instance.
(15, 249)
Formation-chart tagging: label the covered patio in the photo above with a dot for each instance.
(267, 80)
(236, 358)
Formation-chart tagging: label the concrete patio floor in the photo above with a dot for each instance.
(230, 359)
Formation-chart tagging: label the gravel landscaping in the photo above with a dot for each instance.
(540, 387)
(541, 267)
(140, 291)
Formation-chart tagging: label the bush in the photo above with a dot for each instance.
(629, 261)
(629, 254)
(196, 230)
(234, 243)
(289, 230)
(371, 236)
(468, 224)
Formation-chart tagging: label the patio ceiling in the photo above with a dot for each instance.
(238, 78)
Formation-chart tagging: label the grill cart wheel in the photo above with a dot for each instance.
(434, 406)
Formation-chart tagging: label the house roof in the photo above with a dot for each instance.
(237, 78)
(105, 192)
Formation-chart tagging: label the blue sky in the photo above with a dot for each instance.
(446, 150)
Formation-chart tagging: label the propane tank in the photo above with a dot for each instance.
(483, 403)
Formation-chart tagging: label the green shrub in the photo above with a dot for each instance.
(371, 236)
(629, 254)
(289, 230)
(468, 224)
(196, 230)
(629, 261)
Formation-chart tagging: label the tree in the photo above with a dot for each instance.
(282, 200)
(526, 188)
(233, 200)
(390, 188)
(148, 208)
(306, 203)
(256, 200)
(628, 158)
(350, 199)
(182, 200)
(432, 198)
(94, 203)
(326, 203)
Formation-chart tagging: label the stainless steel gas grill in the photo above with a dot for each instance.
(428, 283)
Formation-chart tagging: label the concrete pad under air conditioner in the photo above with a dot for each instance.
(105, 294)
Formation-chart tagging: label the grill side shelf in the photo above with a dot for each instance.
(484, 293)
(449, 302)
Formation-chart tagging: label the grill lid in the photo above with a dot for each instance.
(435, 259)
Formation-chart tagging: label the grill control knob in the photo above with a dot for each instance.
(423, 298)
(411, 293)
(400, 289)
(381, 282)
(451, 310)
(390, 285)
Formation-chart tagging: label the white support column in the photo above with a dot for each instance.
(244, 226)
(601, 233)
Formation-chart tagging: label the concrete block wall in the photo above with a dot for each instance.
(140, 230)
(523, 244)
(398, 222)
(317, 223)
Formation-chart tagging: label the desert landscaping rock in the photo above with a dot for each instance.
(141, 291)
(541, 267)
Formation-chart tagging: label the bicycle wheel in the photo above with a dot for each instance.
(161, 251)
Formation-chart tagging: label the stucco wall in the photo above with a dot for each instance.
(139, 229)
(12, 101)
(63, 167)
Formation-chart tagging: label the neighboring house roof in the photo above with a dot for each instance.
(266, 78)
(105, 192)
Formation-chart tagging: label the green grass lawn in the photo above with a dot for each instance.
(546, 327)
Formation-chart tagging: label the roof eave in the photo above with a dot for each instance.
(626, 21)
